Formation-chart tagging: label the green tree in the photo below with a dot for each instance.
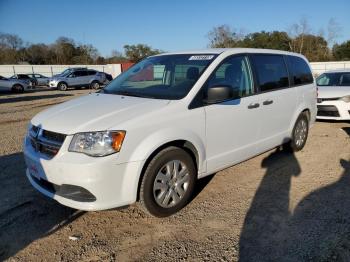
(342, 51)
(138, 52)
(271, 40)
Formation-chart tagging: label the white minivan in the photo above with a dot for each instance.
(167, 121)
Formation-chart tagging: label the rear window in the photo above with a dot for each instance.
(271, 72)
(299, 70)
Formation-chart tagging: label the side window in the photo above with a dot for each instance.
(80, 73)
(92, 72)
(271, 72)
(299, 71)
(234, 72)
(345, 80)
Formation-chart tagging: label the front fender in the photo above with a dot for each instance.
(157, 139)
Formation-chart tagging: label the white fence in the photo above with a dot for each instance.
(321, 67)
(50, 70)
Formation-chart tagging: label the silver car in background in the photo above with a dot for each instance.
(77, 79)
(40, 80)
(13, 85)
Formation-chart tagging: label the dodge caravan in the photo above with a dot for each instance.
(167, 121)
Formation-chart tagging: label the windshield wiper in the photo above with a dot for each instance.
(126, 93)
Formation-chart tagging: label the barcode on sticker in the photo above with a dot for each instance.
(201, 57)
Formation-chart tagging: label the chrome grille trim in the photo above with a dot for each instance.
(39, 139)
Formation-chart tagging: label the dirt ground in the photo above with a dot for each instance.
(274, 207)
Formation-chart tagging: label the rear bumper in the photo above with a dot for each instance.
(333, 110)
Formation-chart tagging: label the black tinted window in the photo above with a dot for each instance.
(80, 73)
(299, 71)
(23, 76)
(92, 72)
(271, 72)
(345, 80)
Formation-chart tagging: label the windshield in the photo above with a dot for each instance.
(334, 79)
(161, 77)
(66, 72)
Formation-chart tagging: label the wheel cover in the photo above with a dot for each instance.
(171, 183)
(96, 85)
(300, 133)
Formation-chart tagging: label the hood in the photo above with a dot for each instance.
(94, 112)
(57, 78)
(333, 91)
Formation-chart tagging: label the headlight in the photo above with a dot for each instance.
(346, 99)
(97, 143)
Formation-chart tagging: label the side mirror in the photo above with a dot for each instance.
(216, 94)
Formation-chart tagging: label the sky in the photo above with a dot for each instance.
(169, 25)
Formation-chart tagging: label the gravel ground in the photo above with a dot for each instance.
(274, 207)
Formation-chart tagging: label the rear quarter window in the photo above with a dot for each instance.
(299, 71)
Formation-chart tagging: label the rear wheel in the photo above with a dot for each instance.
(62, 86)
(17, 88)
(299, 134)
(168, 182)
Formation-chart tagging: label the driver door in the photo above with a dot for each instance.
(232, 127)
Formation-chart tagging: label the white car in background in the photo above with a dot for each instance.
(13, 85)
(333, 100)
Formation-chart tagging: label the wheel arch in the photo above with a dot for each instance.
(302, 109)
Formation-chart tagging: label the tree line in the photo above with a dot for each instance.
(65, 50)
(298, 38)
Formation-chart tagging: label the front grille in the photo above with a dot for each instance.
(46, 142)
(57, 137)
(330, 111)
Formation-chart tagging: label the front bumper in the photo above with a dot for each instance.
(333, 110)
(82, 182)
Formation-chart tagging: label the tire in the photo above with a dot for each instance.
(299, 134)
(95, 85)
(62, 86)
(17, 88)
(163, 192)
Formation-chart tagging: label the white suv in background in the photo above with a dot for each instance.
(166, 122)
(333, 100)
(78, 78)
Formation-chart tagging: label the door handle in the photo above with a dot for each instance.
(267, 102)
(253, 105)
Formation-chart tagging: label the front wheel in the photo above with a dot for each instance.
(299, 134)
(95, 85)
(62, 86)
(168, 182)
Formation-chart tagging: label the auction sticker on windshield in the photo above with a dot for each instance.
(201, 57)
